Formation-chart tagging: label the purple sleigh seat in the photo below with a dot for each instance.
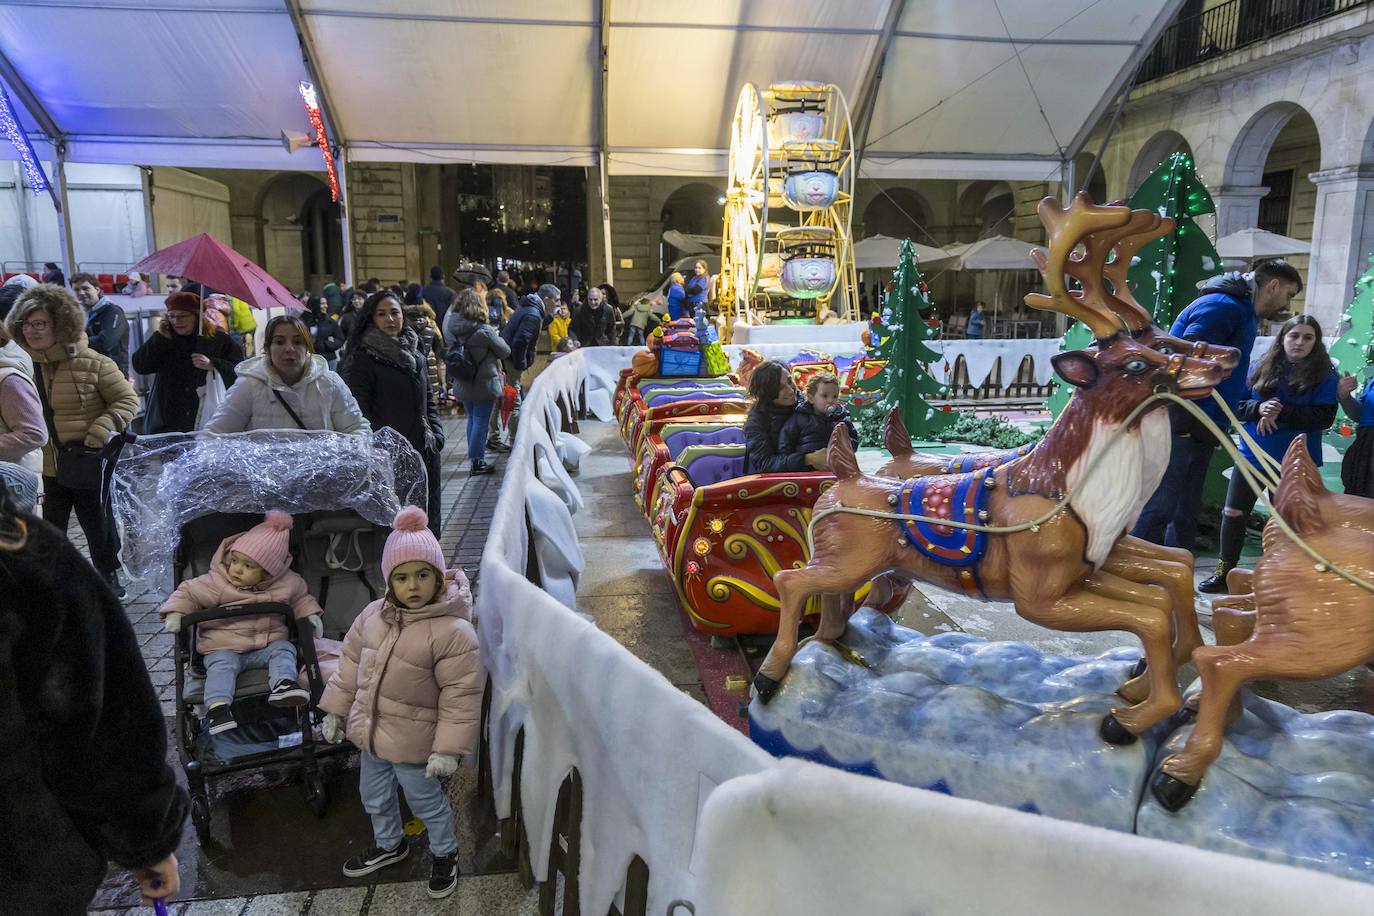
(708, 464)
(648, 388)
(701, 394)
(681, 439)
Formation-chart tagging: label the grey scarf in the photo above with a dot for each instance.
(399, 351)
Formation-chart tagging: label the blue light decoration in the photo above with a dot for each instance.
(9, 123)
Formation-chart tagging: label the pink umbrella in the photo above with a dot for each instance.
(213, 263)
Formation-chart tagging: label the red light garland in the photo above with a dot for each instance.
(312, 108)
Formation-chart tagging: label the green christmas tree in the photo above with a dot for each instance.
(899, 336)
(1352, 350)
(1167, 271)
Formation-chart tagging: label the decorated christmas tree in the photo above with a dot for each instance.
(1167, 271)
(1352, 350)
(899, 336)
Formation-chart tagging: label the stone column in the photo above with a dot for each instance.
(1342, 237)
(1237, 207)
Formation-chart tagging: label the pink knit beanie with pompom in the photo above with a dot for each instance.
(266, 543)
(411, 540)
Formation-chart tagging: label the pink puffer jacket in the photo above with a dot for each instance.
(410, 682)
(241, 634)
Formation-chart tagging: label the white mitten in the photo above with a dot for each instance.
(316, 624)
(441, 765)
(173, 622)
(332, 728)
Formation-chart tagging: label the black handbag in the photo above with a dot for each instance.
(79, 467)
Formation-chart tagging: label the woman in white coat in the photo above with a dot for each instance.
(289, 388)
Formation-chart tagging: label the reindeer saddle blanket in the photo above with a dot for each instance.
(976, 461)
(957, 497)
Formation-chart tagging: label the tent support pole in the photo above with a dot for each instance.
(146, 175)
(345, 230)
(872, 79)
(603, 18)
(64, 223)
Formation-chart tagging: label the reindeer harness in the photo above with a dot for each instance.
(957, 497)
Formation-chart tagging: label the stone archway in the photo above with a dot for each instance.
(321, 240)
(1156, 150)
(986, 208)
(1096, 184)
(693, 209)
(899, 213)
(281, 207)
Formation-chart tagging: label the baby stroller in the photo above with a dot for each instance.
(336, 552)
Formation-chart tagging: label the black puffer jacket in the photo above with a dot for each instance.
(395, 394)
(805, 431)
(174, 400)
(83, 774)
(593, 327)
(761, 432)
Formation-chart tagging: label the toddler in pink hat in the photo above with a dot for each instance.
(248, 568)
(413, 709)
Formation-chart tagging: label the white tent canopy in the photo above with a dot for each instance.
(881, 252)
(952, 88)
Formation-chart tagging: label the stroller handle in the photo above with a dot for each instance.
(256, 609)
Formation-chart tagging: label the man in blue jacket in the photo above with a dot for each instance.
(1227, 313)
(107, 329)
(522, 332)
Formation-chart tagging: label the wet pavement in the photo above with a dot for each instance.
(268, 853)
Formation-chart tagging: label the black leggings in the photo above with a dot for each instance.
(97, 521)
(1240, 497)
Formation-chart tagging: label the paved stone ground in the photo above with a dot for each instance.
(271, 857)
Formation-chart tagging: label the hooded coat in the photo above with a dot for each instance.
(762, 429)
(239, 634)
(486, 349)
(84, 776)
(86, 391)
(22, 428)
(1225, 315)
(521, 333)
(320, 398)
(174, 399)
(805, 431)
(409, 682)
(107, 332)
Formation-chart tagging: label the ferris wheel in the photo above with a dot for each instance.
(790, 192)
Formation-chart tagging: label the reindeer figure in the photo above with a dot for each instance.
(1308, 623)
(1054, 571)
(1106, 254)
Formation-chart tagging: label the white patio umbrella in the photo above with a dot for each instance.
(879, 252)
(995, 253)
(1259, 243)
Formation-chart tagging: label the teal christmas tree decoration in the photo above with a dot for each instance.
(899, 337)
(1354, 346)
(1167, 271)
(1076, 338)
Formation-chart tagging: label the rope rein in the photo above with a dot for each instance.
(1258, 479)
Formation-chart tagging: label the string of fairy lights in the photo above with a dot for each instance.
(14, 131)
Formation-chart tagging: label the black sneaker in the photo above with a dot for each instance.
(220, 719)
(496, 445)
(481, 467)
(375, 858)
(288, 693)
(112, 578)
(1216, 584)
(443, 877)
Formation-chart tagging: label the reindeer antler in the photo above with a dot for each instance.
(1066, 229)
(1127, 244)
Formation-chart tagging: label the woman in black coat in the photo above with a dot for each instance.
(774, 397)
(83, 774)
(324, 330)
(178, 357)
(389, 377)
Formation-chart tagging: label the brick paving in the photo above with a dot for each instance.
(467, 504)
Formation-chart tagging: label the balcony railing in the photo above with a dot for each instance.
(1229, 27)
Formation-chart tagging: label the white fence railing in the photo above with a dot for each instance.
(634, 798)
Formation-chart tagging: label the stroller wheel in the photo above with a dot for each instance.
(200, 817)
(316, 795)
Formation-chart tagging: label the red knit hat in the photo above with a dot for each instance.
(182, 301)
(411, 540)
(266, 543)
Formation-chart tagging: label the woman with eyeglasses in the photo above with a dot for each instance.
(180, 357)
